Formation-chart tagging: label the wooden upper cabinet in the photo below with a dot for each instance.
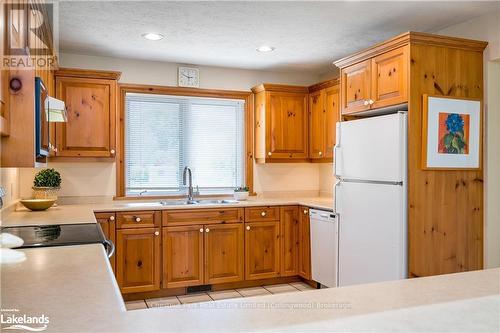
(390, 78)
(289, 240)
(324, 112)
(356, 87)
(90, 98)
(224, 253)
(183, 256)
(281, 132)
(304, 244)
(138, 259)
(262, 250)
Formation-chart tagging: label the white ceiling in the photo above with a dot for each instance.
(308, 36)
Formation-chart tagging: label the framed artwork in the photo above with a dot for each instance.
(451, 133)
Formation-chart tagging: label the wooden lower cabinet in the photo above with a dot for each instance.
(138, 259)
(182, 256)
(289, 240)
(224, 253)
(107, 223)
(262, 250)
(304, 243)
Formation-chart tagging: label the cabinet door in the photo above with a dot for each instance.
(332, 116)
(182, 256)
(262, 250)
(108, 226)
(289, 241)
(90, 130)
(390, 78)
(224, 253)
(317, 124)
(304, 244)
(356, 87)
(287, 126)
(138, 260)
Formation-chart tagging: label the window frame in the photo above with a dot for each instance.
(180, 91)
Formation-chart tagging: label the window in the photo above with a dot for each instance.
(165, 133)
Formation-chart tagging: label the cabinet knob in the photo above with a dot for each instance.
(207, 230)
(371, 101)
(269, 154)
(263, 214)
(306, 211)
(366, 102)
(112, 151)
(320, 153)
(201, 229)
(137, 219)
(248, 227)
(157, 233)
(112, 218)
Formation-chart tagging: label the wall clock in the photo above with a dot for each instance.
(189, 77)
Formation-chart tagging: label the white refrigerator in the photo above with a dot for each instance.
(370, 199)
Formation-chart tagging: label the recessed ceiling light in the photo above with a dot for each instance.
(152, 36)
(265, 48)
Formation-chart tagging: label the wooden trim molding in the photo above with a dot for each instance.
(180, 91)
(88, 73)
(414, 38)
(324, 84)
(279, 88)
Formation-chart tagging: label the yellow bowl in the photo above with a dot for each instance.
(37, 204)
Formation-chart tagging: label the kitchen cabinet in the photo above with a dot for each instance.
(107, 221)
(262, 250)
(203, 254)
(281, 133)
(324, 113)
(90, 98)
(138, 258)
(304, 244)
(377, 82)
(289, 226)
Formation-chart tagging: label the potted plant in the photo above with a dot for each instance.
(46, 184)
(241, 193)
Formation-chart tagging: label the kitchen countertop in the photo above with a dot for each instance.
(74, 287)
(84, 213)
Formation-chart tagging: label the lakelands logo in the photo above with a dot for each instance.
(12, 319)
(32, 34)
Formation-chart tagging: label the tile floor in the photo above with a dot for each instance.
(217, 295)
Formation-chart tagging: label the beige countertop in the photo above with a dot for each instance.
(74, 287)
(84, 213)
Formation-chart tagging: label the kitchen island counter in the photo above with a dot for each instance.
(74, 287)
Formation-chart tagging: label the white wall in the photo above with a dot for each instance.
(99, 178)
(9, 180)
(487, 28)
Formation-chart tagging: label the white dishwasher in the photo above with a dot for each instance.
(324, 247)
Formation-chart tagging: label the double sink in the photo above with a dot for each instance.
(198, 202)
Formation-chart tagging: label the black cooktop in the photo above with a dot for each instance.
(58, 234)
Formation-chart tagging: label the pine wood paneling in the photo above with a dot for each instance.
(262, 250)
(356, 87)
(305, 243)
(289, 240)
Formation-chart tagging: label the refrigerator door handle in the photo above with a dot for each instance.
(337, 198)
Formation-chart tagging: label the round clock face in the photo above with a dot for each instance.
(189, 77)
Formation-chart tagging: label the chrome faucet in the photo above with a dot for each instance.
(187, 170)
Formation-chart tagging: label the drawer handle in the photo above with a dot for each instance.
(111, 218)
(137, 219)
(248, 227)
(263, 214)
(207, 230)
(305, 211)
(157, 233)
(112, 151)
(269, 154)
(320, 153)
(201, 229)
(366, 102)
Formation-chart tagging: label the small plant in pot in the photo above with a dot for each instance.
(46, 184)
(241, 193)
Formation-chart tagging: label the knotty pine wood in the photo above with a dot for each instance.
(147, 219)
(304, 243)
(289, 235)
(356, 87)
(202, 216)
(262, 250)
(445, 207)
(261, 214)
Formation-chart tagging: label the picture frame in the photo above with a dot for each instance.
(452, 133)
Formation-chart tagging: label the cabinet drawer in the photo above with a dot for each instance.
(256, 214)
(201, 216)
(138, 219)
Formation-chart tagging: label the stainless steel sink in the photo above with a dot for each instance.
(198, 202)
